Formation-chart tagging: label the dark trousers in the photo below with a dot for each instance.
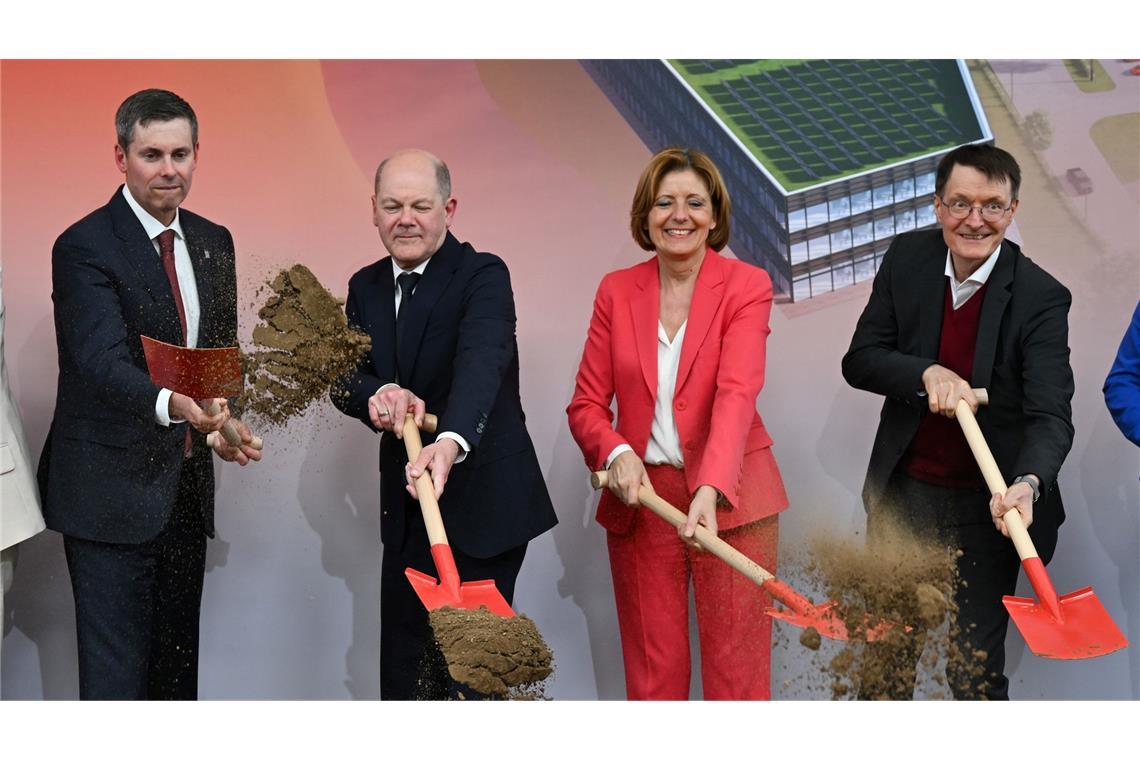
(137, 608)
(988, 569)
(411, 665)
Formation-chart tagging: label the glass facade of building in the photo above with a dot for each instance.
(810, 242)
(838, 233)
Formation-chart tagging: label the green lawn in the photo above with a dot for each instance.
(1079, 70)
(1118, 138)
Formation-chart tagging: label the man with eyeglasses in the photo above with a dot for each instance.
(953, 309)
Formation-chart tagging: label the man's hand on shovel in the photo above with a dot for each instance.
(388, 406)
(1019, 497)
(438, 459)
(204, 420)
(244, 453)
(944, 388)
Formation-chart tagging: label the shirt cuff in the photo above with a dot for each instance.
(162, 408)
(464, 447)
(618, 451)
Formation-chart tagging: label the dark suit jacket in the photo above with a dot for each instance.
(1021, 357)
(459, 354)
(108, 471)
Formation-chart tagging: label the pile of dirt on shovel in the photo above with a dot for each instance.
(903, 588)
(302, 347)
(497, 656)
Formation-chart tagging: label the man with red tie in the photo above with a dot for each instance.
(126, 475)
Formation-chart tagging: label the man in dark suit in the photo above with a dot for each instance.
(442, 320)
(952, 309)
(122, 476)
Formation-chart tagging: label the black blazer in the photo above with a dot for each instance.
(108, 471)
(459, 354)
(1021, 357)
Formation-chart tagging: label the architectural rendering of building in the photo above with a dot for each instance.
(825, 160)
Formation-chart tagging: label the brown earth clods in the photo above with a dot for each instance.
(902, 590)
(498, 656)
(303, 347)
(810, 638)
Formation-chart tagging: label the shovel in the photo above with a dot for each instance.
(1075, 626)
(198, 373)
(449, 591)
(800, 612)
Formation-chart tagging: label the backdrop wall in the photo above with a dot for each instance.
(544, 168)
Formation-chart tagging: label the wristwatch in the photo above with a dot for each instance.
(1032, 482)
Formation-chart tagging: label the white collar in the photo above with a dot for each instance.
(980, 275)
(152, 226)
(396, 271)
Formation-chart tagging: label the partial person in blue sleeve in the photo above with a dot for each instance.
(1122, 386)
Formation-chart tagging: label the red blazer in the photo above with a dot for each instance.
(720, 375)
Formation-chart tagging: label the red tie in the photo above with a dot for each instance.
(166, 251)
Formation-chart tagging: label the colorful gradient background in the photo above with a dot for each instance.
(543, 167)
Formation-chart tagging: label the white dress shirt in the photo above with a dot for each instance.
(464, 447)
(664, 445)
(186, 283)
(962, 291)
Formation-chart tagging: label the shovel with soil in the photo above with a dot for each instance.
(199, 373)
(1069, 627)
(486, 646)
(817, 619)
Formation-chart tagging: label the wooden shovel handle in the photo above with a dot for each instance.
(425, 489)
(981, 394)
(1013, 522)
(706, 538)
(229, 431)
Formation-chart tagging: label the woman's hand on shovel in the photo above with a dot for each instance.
(627, 474)
(702, 510)
(1019, 496)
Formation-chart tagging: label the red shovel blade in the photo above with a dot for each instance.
(1084, 629)
(195, 372)
(470, 595)
(820, 617)
(450, 592)
(823, 618)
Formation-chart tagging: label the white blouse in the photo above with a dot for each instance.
(664, 445)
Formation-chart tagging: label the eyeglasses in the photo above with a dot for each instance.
(991, 212)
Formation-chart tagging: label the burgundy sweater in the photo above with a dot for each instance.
(939, 453)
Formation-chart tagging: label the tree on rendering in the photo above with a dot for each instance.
(1038, 130)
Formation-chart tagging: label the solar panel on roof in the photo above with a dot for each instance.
(830, 118)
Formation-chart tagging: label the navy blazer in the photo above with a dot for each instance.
(108, 471)
(459, 354)
(1021, 357)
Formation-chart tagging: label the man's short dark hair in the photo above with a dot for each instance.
(442, 177)
(998, 166)
(146, 106)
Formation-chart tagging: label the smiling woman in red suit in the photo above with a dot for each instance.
(680, 340)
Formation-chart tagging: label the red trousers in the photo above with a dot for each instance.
(651, 569)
